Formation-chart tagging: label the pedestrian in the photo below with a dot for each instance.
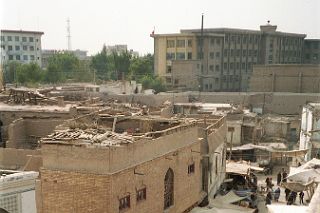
(301, 195)
(277, 194)
(290, 199)
(271, 184)
(294, 194)
(284, 176)
(268, 198)
(279, 178)
(267, 182)
(287, 192)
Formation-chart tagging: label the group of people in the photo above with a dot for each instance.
(291, 196)
(282, 176)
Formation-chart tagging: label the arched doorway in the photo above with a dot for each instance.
(168, 189)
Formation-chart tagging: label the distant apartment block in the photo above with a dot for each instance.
(227, 57)
(311, 51)
(22, 46)
(80, 54)
(120, 48)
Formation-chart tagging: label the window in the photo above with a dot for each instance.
(181, 43)
(124, 202)
(255, 53)
(218, 41)
(9, 38)
(30, 39)
(217, 68)
(189, 43)
(189, 55)
(168, 80)
(238, 66)
(244, 40)
(2, 38)
(216, 80)
(211, 55)
(168, 189)
(25, 57)
(170, 56)
(225, 53)
(231, 66)
(31, 48)
(168, 69)
(16, 38)
(181, 56)
(217, 54)
(24, 39)
(191, 167)
(32, 57)
(232, 53)
(9, 47)
(24, 47)
(18, 57)
(17, 48)
(10, 57)
(37, 40)
(238, 53)
(211, 67)
(176, 81)
(243, 66)
(244, 52)
(142, 194)
(170, 43)
(225, 66)
(212, 41)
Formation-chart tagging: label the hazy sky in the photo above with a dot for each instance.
(96, 22)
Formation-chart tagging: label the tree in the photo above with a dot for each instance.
(10, 71)
(141, 66)
(100, 64)
(29, 73)
(62, 66)
(121, 63)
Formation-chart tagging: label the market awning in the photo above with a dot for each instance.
(291, 153)
(297, 187)
(241, 168)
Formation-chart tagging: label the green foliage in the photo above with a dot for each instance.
(141, 66)
(152, 82)
(9, 71)
(15, 72)
(29, 73)
(121, 63)
(62, 66)
(100, 63)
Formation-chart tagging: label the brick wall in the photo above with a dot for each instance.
(68, 192)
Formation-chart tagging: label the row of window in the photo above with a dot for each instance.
(237, 53)
(24, 57)
(18, 38)
(315, 56)
(245, 39)
(314, 45)
(179, 43)
(179, 56)
(18, 48)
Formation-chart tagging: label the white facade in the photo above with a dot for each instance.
(17, 191)
(22, 46)
(310, 128)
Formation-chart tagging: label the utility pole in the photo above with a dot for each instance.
(69, 35)
(201, 57)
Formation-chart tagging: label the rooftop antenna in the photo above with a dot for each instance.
(69, 34)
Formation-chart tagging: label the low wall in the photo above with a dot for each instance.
(19, 158)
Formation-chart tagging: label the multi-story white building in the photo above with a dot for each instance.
(22, 46)
(17, 191)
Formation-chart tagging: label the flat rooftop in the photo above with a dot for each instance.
(35, 108)
(113, 131)
(13, 175)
